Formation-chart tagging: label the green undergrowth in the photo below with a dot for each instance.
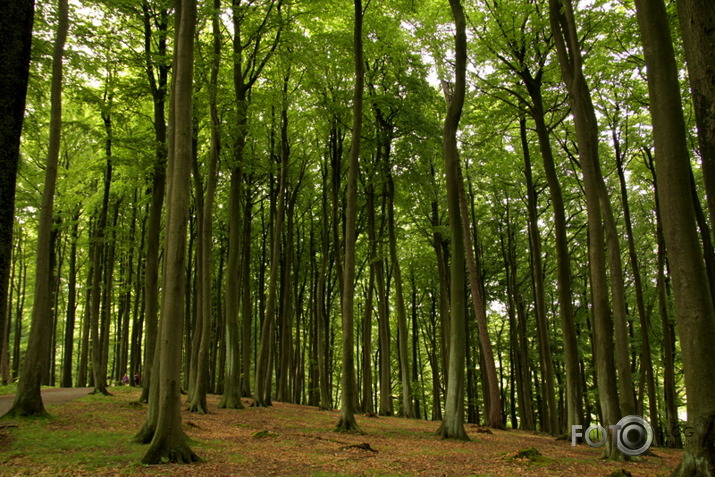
(6, 389)
(38, 444)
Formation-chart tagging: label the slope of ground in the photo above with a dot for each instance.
(92, 436)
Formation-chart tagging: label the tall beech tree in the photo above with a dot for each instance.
(347, 414)
(201, 380)
(453, 421)
(252, 48)
(564, 30)
(694, 306)
(157, 71)
(169, 442)
(28, 401)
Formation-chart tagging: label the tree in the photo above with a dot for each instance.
(201, 380)
(453, 420)
(28, 401)
(16, 30)
(693, 302)
(157, 70)
(697, 24)
(169, 442)
(563, 26)
(347, 414)
(250, 56)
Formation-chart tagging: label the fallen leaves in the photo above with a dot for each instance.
(288, 439)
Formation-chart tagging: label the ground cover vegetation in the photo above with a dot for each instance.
(475, 212)
(92, 436)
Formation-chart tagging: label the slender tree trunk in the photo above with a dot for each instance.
(453, 421)
(646, 360)
(321, 315)
(551, 416)
(693, 299)
(28, 401)
(517, 318)
(263, 361)
(367, 401)
(347, 415)
(574, 398)
(405, 377)
(563, 26)
(169, 442)
(671, 438)
(246, 316)
(66, 381)
(158, 85)
(201, 380)
(84, 337)
(98, 262)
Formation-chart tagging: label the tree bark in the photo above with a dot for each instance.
(169, 442)
(563, 26)
(697, 26)
(693, 299)
(28, 401)
(574, 397)
(551, 415)
(158, 85)
(453, 421)
(347, 421)
(16, 31)
(646, 360)
(264, 370)
(66, 380)
(201, 382)
(405, 376)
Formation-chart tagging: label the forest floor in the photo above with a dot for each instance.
(92, 436)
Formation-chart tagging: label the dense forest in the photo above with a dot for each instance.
(494, 212)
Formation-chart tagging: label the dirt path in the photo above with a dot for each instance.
(49, 396)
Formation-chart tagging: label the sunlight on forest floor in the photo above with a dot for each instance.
(91, 436)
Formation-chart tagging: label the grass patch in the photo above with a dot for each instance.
(35, 444)
(10, 388)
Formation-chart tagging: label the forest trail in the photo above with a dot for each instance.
(49, 396)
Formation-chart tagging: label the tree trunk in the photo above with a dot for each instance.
(551, 416)
(246, 316)
(169, 442)
(693, 302)
(347, 421)
(201, 380)
(28, 401)
(66, 381)
(16, 30)
(697, 25)
(405, 377)
(453, 421)
(321, 314)
(646, 360)
(563, 26)
(574, 398)
(98, 262)
(158, 85)
(368, 405)
(264, 369)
